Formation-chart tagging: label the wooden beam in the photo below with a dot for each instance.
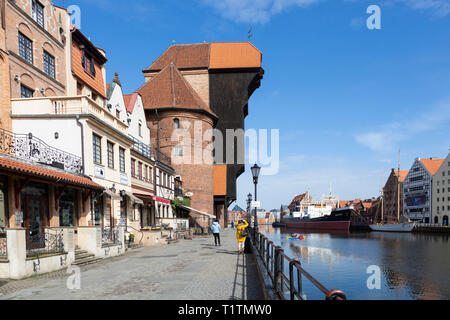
(18, 189)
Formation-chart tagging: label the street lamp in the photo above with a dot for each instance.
(255, 172)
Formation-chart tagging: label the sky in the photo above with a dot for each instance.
(344, 98)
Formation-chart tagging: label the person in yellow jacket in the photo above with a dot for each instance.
(241, 225)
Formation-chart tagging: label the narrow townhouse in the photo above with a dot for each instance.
(82, 123)
(418, 191)
(441, 194)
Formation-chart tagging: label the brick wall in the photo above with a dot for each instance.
(46, 38)
(197, 177)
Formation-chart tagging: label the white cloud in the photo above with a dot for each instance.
(261, 11)
(388, 136)
(254, 11)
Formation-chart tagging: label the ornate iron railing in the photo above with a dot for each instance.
(3, 246)
(44, 243)
(142, 148)
(110, 235)
(287, 279)
(161, 156)
(28, 147)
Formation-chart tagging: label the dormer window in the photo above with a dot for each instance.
(88, 63)
(38, 13)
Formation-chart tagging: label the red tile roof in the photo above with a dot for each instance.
(130, 101)
(22, 167)
(169, 89)
(217, 55)
(432, 164)
(403, 174)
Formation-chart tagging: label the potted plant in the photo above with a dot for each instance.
(131, 238)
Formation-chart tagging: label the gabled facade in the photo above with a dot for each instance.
(417, 189)
(393, 196)
(441, 194)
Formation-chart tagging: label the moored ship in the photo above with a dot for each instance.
(338, 219)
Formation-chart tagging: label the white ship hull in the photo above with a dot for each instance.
(393, 227)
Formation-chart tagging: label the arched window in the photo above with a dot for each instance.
(176, 123)
(436, 220)
(445, 221)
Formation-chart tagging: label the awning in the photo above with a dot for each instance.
(20, 167)
(198, 211)
(133, 198)
(112, 194)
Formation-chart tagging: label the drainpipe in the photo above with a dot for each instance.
(82, 142)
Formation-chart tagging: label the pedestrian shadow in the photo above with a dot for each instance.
(227, 252)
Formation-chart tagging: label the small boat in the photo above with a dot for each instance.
(393, 227)
(296, 237)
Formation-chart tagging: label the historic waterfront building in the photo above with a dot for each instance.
(299, 202)
(393, 196)
(417, 189)
(192, 90)
(441, 194)
(80, 123)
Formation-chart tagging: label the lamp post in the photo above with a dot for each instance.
(249, 202)
(255, 173)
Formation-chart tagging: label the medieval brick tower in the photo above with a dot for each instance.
(196, 88)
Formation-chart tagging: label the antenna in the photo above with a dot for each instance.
(249, 33)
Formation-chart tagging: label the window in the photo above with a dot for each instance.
(49, 64)
(38, 13)
(140, 170)
(146, 173)
(140, 129)
(122, 159)
(178, 151)
(110, 150)
(118, 114)
(88, 63)
(97, 148)
(26, 92)
(25, 48)
(176, 123)
(133, 168)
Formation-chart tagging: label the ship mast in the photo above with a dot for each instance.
(398, 188)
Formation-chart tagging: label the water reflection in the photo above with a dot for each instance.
(413, 265)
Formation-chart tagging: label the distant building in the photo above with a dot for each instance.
(441, 194)
(393, 195)
(299, 201)
(417, 189)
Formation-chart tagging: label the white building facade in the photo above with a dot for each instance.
(441, 194)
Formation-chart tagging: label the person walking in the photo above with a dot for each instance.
(241, 235)
(215, 228)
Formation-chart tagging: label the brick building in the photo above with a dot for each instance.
(392, 197)
(441, 194)
(299, 201)
(36, 34)
(198, 88)
(5, 106)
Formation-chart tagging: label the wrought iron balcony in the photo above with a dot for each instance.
(28, 147)
(142, 148)
(161, 157)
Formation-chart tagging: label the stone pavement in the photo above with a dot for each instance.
(187, 270)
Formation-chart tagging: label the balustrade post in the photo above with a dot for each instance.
(291, 279)
(281, 269)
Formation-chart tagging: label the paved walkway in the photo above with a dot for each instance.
(187, 270)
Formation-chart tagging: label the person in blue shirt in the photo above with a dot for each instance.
(215, 228)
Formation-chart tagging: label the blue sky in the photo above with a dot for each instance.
(345, 98)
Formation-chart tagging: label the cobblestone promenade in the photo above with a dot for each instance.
(187, 270)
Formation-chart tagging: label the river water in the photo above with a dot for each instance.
(411, 265)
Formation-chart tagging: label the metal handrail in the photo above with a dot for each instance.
(273, 258)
